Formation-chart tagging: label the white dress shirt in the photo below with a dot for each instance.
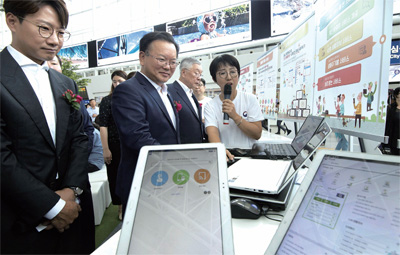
(189, 94)
(163, 92)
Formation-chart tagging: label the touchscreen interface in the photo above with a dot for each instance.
(178, 211)
(351, 207)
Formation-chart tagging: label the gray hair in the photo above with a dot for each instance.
(187, 63)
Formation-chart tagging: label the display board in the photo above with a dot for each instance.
(215, 28)
(394, 71)
(245, 83)
(267, 73)
(287, 14)
(78, 54)
(297, 52)
(351, 66)
(120, 48)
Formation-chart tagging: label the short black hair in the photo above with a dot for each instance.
(203, 81)
(224, 59)
(154, 36)
(21, 8)
(90, 100)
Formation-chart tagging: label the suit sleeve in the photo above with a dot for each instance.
(87, 126)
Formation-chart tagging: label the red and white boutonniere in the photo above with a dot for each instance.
(178, 105)
(72, 99)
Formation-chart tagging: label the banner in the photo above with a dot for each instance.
(267, 73)
(246, 79)
(351, 74)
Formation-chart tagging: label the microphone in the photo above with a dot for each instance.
(227, 95)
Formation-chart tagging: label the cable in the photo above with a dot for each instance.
(265, 209)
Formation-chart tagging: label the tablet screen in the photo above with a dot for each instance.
(352, 206)
(178, 210)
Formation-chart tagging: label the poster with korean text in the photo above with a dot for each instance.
(351, 70)
(267, 72)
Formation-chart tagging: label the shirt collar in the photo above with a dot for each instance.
(185, 88)
(163, 88)
(24, 61)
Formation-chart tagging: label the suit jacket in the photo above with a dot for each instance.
(190, 124)
(141, 119)
(30, 161)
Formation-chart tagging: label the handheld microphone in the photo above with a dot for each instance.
(227, 95)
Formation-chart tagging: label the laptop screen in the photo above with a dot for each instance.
(178, 209)
(306, 131)
(352, 206)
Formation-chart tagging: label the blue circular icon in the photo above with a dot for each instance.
(159, 178)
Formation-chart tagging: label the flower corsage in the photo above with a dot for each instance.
(73, 99)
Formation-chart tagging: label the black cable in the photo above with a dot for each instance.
(265, 209)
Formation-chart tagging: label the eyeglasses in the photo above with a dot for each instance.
(196, 73)
(47, 31)
(163, 62)
(224, 74)
(209, 19)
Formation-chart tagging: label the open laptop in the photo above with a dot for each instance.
(285, 151)
(272, 176)
(348, 203)
(179, 202)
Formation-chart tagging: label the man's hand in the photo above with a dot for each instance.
(66, 217)
(66, 194)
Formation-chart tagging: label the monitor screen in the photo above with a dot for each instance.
(306, 131)
(352, 206)
(178, 210)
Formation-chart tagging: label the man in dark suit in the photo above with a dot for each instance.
(43, 146)
(190, 119)
(143, 110)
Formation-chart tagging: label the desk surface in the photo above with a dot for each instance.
(249, 236)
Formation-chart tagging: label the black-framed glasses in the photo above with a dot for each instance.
(224, 74)
(209, 19)
(47, 31)
(163, 62)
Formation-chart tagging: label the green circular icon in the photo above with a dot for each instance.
(180, 177)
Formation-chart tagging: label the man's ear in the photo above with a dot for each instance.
(12, 21)
(142, 54)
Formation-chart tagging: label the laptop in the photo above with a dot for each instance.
(271, 176)
(179, 202)
(277, 202)
(288, 151)
(348, 203)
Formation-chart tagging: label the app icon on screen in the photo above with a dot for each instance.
(202, 176)
(159, 178)
(180, 177)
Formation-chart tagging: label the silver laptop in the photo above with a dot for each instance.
(179, 202)
(272, 176)
(348, 203)
(285, 151)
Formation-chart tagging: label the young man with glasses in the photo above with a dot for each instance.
(190, 116)
(244, 112)
(143, 110)
(199, 93)
(43, 146)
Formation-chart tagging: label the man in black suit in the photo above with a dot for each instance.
(43, 146)
(190, 119)
(143, 110)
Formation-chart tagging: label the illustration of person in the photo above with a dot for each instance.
(323, 105)
(342, 105)
(207, 25)
(370, 95)
(358, 110)
(319, 106)
(304, 91)
(337, 105)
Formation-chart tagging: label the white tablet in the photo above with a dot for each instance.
(179, 202)
(348, 203)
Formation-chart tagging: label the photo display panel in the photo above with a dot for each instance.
(78, 55)
(178, 211)
(214, 28)
(352, 206)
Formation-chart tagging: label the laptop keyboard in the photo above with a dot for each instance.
(279, 149)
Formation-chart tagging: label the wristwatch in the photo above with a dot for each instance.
(77, 191)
